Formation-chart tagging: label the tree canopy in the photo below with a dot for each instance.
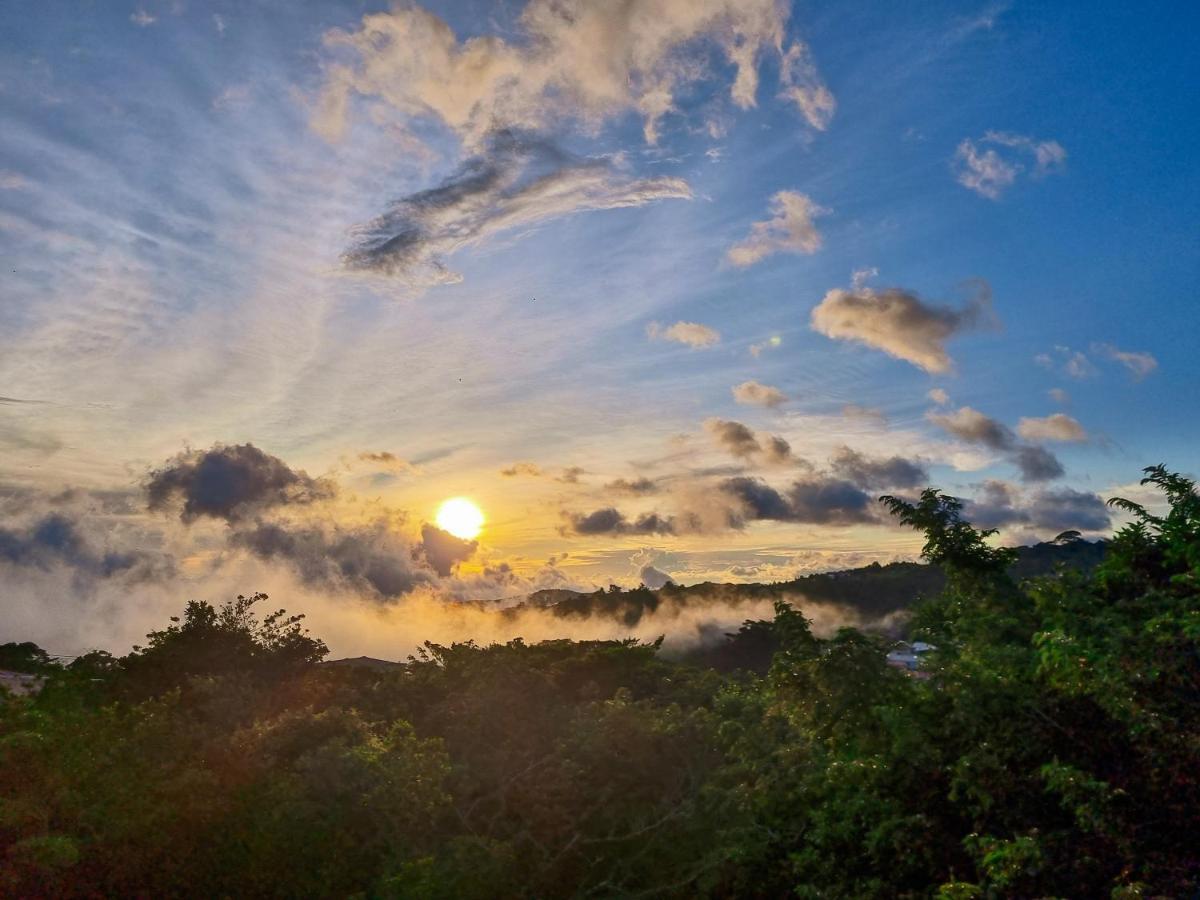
(1048, 746)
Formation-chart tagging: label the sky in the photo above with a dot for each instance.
(667, 289)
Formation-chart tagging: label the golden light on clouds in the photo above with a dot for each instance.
(460, 517)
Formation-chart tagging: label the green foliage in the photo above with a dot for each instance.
(1048, 747)
(25, 657)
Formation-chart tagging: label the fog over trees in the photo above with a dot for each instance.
(1045, 745)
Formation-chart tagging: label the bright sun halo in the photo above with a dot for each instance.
(460, 517)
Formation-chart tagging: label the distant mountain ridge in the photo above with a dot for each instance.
(872, 591)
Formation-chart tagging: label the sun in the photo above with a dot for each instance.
(460, 517)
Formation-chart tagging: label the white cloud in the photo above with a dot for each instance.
(790, 229)
(803, 86)
(752, 393)
(1139, 365)
(575, 59)
(938, 396)
(693, 334)
(989, 171)
(142, 19)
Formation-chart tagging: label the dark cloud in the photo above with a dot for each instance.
(231, 483)
(56, 540)
(878, 474)
(1037, 464)
(522, 468)
(734, 437)
(965, 423)
(374, 559)
(612, 521)
(817, 500)
(1001, 505)
(654, 578)
(443, 550)
(386, 459)
(776, 449)
(518, 181)
(974, 427)
(831, 501)
(570, 475)
(636, 487)
(1065, 509)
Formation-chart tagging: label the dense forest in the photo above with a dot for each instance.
(1047, 747)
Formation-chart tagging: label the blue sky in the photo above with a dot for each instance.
(991, 201)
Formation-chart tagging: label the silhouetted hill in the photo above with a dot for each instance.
(870, 593)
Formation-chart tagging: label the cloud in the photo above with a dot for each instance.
(734, 437)
(142, 19)
(1056, 427)
(938, 396)
(776, 449)
(802, 85)
(740, 442)
(815, 500)
(870, 415)
(443, 550)
(570, 475)
(637, 487)
(54, 540)
(522, 468)
(1001, 505)
(1058, 395)
(387, 460)
(973, 426)
(518, 181)
(571, 60)
(613, 522)
(1073, 363)
(899, 323)
(752, 393)
(879, 473)
(1037, 464)
(965, 423)
(789, 230)
(1139, 365)
(372, 560)
(693, 334)
(231, 482)
(1065, 509)
(11, 181)
(654, 578)
(989, 172)
(769, 344)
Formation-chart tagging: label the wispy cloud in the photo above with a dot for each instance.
(789, 230)
(992, 164)
(519, 181)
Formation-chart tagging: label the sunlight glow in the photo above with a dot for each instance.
(460, 517)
